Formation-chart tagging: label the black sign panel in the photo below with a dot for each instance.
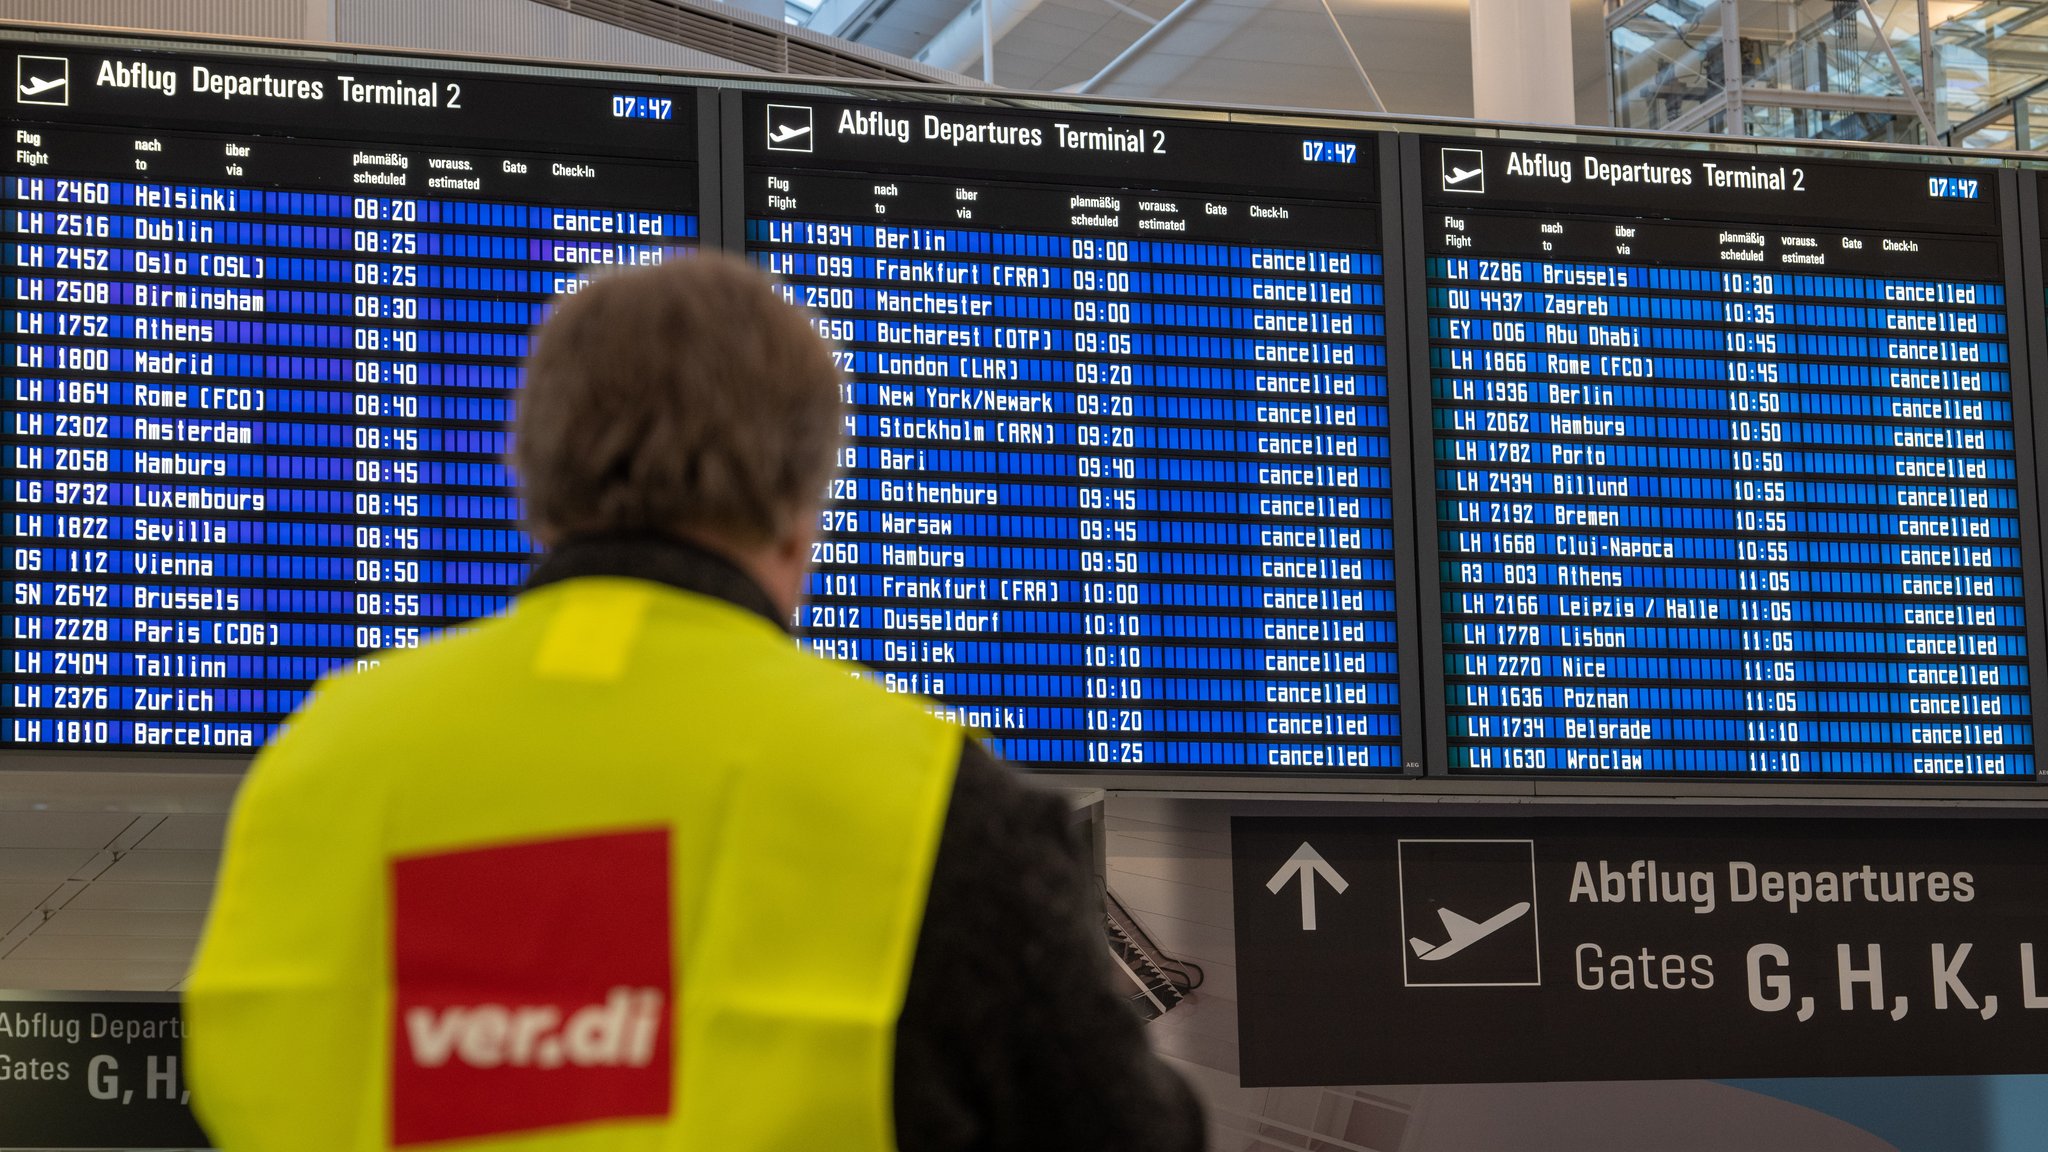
(376, 100)
(92, 1073)
(1375, 951)
(996, 145)
(1768, 191)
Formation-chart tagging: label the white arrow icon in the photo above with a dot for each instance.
(1309, 863)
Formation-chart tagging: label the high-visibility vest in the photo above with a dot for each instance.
(621, 870)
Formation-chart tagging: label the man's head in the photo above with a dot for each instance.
(686, 400)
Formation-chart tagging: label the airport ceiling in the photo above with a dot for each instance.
(1273, 52)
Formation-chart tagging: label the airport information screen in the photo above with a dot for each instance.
(1707, 463)
(1117, 491)
(1724, 465)
(264, 319)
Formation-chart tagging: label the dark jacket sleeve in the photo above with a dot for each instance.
(1012, 1035)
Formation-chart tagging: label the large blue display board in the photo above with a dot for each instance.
(1119, 489)
(1725, 465)
(264, 321)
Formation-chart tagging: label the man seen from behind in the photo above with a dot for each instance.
(624, 868)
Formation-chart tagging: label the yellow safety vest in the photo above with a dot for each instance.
(622, 870)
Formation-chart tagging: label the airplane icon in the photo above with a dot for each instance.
(1464, 170)
(1464, 932)
(42, 80)
(789, 128)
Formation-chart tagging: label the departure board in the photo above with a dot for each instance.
(264, 318)
(1176, 442)
(1725, 464)
(1117, 491)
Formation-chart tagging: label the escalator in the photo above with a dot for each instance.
(1153, 981)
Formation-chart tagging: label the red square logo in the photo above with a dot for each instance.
(534, 986)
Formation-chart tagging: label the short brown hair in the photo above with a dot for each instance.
(687, 395)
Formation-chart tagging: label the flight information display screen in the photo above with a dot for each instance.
(264, 318)
(1725, 465)
(1117, 490)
